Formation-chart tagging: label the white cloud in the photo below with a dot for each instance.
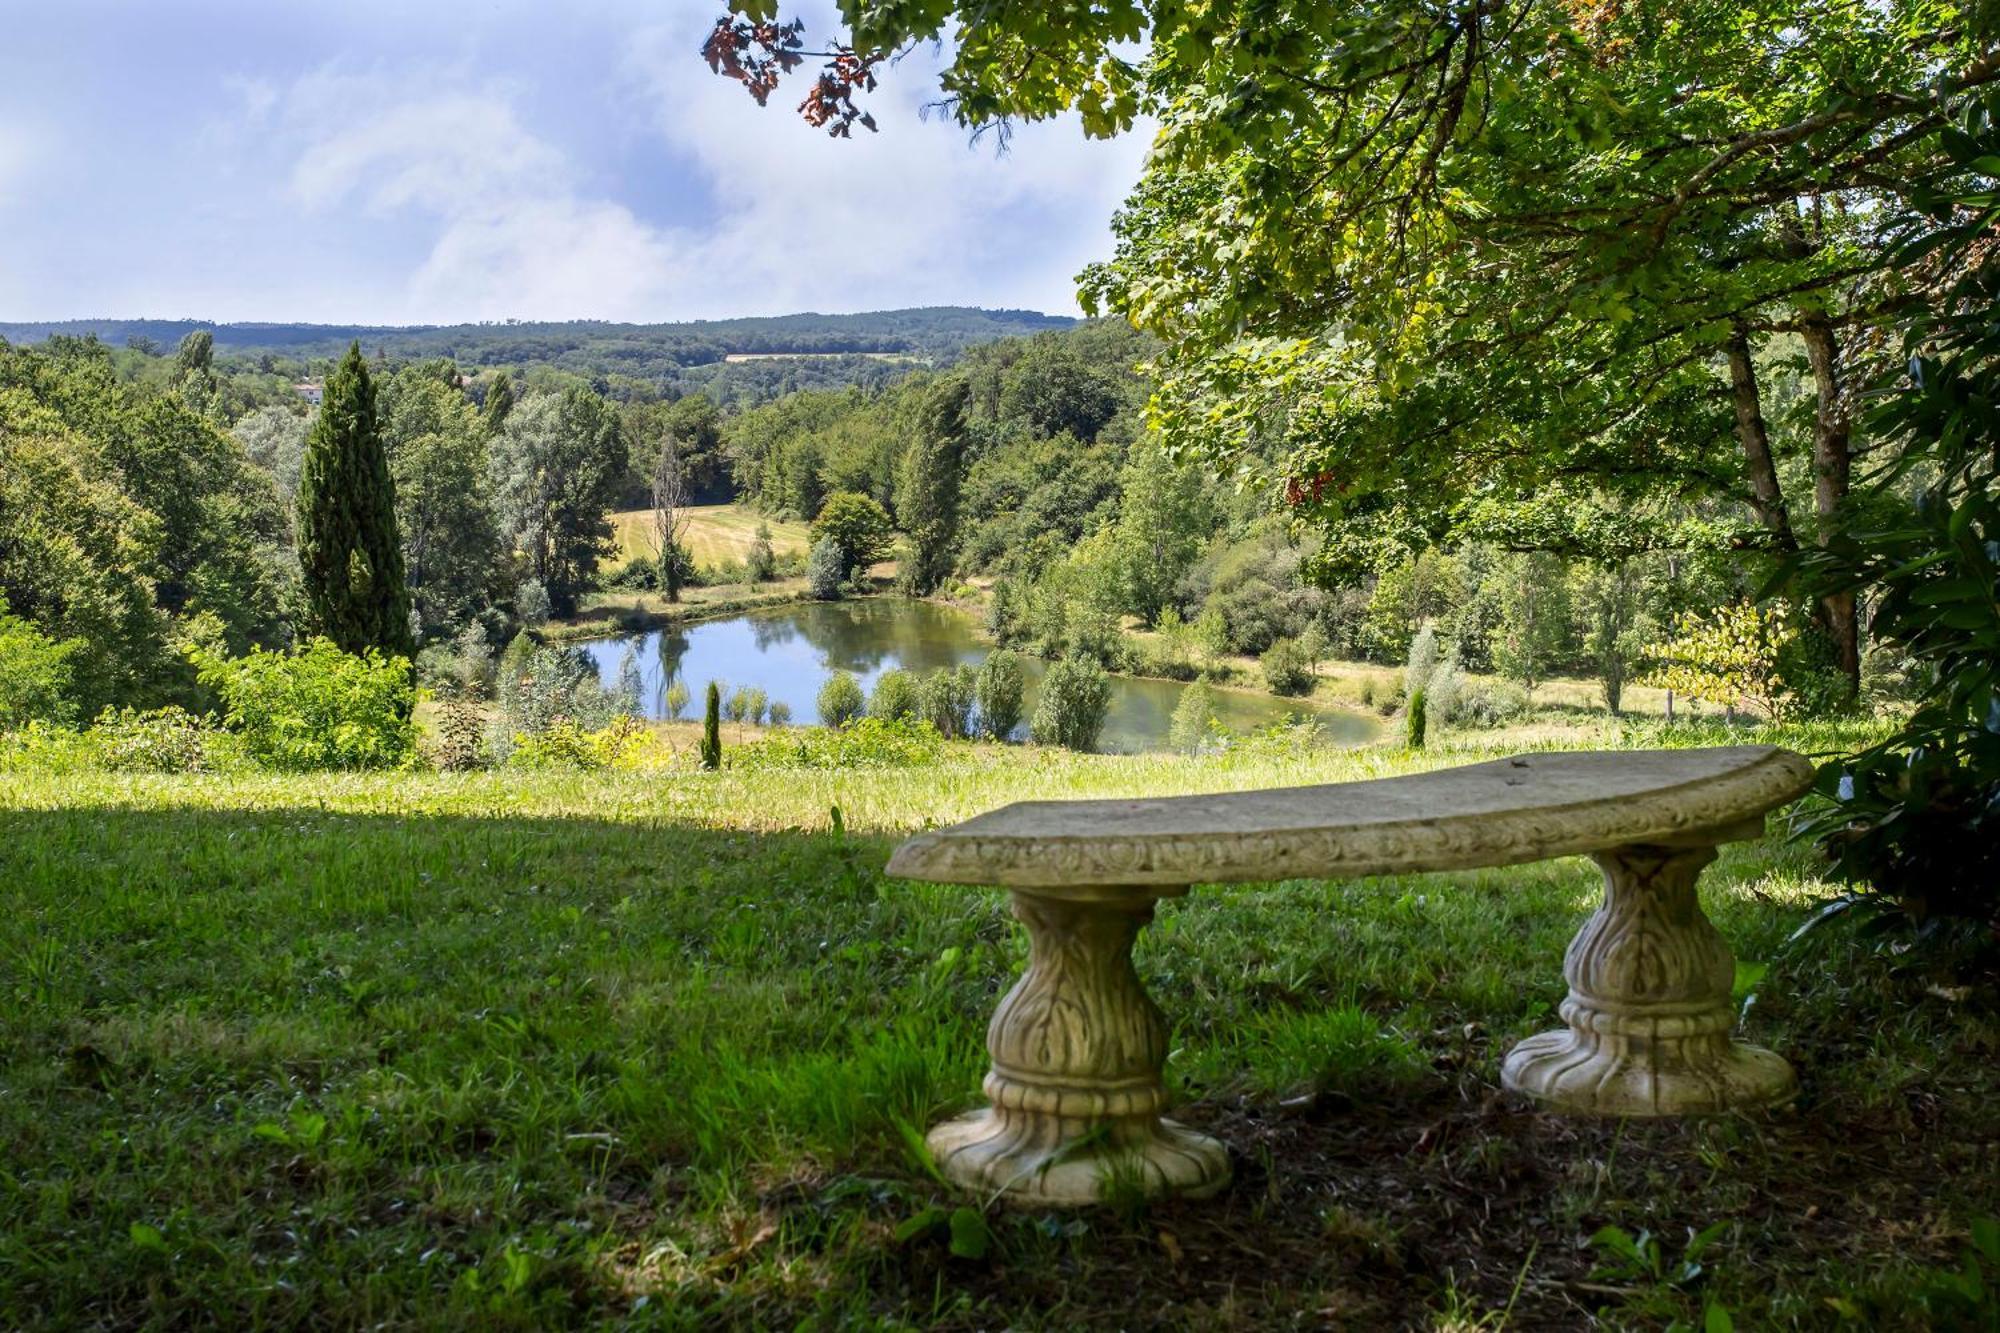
(914, 215)
(915, 210)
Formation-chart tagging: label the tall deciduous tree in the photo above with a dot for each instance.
(439, 459)
(670, 518)
(927, 486)
(350, 550)
(558, 464)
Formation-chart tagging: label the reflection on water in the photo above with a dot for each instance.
(789, 651)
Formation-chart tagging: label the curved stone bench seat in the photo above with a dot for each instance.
(1078, 1047)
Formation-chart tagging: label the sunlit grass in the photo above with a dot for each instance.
(716, 534)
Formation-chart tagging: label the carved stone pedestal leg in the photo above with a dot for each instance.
(1075, 1087)
(1648, 1008)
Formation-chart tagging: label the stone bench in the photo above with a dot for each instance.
(1078, 1045)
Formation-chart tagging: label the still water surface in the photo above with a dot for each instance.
(789, 651)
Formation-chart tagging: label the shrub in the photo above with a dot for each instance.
(824, 571)
(711, 728)
(42, 748)
(748, 705)
(868, 742)
(840, 700)
(460, 730)
(895, 696)
(762, 563)
(1418, 718)
(641, 573)
(1000, 686)
(161, 740)
(1490, 705)
(781, 713)
(315, 707)
(1285, 668)
(1742, 655)
(34, 675)
(566, 745)
(945, 699)
(676, 699)
(472, 662)
(1194, 727)
(550, 684)
(1446, 690)
(1075, 696)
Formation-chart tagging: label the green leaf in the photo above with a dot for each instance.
(970, 1236)
(1715, 1319)
(920, 1224)
(1986, 1237)
(147, 1237)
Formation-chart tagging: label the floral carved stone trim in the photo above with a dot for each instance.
(1078, 1047)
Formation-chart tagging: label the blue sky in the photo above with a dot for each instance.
(356, 161)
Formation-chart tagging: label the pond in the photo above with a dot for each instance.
(788, 652)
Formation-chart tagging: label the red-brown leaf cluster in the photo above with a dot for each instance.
(731, 46)
(759, 55)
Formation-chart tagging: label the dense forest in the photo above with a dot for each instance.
(155, 513)
(813, 350)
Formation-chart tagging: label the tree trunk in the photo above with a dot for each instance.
(1765, 496)
(1833, 467)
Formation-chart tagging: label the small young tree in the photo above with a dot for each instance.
(1193, 726)
(531, 603)
(711, 728)
(1611, 596)
(1075, 696)
(350, 553)
(1313, 647)
(840, 700)
(1418, 718)
(1535, 610)
(1285, 669)
(825, 571)
(762, 562)
(670, 519)
(676, 699)
(1001, 686)
(1733, 657)
(631, 692)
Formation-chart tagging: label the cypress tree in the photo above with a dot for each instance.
(928, 485)
(349, 548)
(711, 729)
(499, 402)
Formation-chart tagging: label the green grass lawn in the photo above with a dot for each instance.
(717, 534)
(647, 1048)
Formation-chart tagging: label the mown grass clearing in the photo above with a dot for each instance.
(717, 534)
(533, 1049)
